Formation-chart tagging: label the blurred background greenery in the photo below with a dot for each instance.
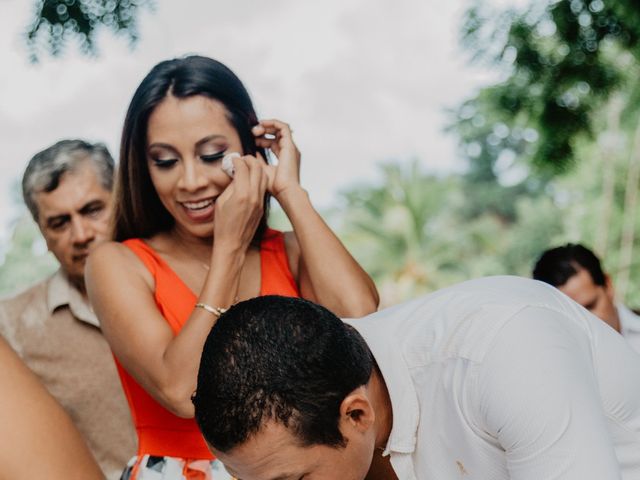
(552, 151)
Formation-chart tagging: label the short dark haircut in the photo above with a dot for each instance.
(278, 359)
(47, 167)
(557, 265)
(138, 211)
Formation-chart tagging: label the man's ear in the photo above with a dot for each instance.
(356, 411)
(608, 288)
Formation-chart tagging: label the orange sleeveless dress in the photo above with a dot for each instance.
(161, 433)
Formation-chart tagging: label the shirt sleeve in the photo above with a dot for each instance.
(538, 396)
(8, 325)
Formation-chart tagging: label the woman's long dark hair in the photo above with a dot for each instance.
(138, 212)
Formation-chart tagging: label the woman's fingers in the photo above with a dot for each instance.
(240, 207)
(248, 178)
(272, 127)
(240, 172)
(256, 177)
(273, 134)
(276, 136)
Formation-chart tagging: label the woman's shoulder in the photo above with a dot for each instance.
(110, 251)
(118, 256)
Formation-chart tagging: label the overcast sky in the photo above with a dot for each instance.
(360, 81)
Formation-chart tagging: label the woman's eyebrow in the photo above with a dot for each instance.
(160, 145)
(208, 139)
(200, 142)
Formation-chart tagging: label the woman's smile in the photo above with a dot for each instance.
(199, 210)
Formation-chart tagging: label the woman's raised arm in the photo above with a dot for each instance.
(326, 271)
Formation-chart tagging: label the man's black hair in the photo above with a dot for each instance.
(278, 359)
(557, 265)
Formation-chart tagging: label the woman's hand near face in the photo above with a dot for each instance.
(287, 173)
(323, 267)
(240, 207)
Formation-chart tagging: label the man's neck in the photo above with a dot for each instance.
(382, 406)
(381, 468)
(614, 322)
(79, 285)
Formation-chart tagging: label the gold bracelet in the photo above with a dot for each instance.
(217, 311)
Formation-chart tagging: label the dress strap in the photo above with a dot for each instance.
(277, 278)
(145, 253)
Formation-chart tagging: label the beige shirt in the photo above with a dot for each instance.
(54, 330)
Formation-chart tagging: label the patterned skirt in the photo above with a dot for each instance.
(148, 467)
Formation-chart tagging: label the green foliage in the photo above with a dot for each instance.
(568, 87)
(413, 234)
(26, 260)
(57, 21)
(562, 62)
(391, 228)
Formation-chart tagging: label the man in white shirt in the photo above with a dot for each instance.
(492, 379)
(576, 271)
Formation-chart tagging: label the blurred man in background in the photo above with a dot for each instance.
(575, 270)
(67, 188)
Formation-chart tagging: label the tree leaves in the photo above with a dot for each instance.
(56, 22)
(561, 66)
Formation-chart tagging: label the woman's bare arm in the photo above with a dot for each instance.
(327, 273)
(38, 439)
(122, 293)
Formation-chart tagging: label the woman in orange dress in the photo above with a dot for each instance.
(38, 439)
(191, 239)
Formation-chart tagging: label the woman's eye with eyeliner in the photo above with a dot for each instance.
(168, 163)
(213, 157)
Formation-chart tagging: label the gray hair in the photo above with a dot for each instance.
(46, 168)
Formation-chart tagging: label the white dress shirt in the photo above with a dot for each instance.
(629, 326)
(506, 378)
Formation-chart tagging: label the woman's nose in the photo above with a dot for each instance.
(192, 177)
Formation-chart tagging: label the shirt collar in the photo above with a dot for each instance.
(61, 293)
(404, 400)
(629, 321)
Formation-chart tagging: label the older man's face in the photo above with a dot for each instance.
(274, 453)
(74, 218)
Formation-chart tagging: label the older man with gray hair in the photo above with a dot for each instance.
(67, 188)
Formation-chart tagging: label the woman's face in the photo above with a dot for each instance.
(186, 140)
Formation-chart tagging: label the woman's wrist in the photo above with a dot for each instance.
(227, 259)
(228, 247)
(221, 286)
(293, 195)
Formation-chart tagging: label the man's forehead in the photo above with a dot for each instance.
(271, 454)
(581, 278)
(76, 190)
(580, 286)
